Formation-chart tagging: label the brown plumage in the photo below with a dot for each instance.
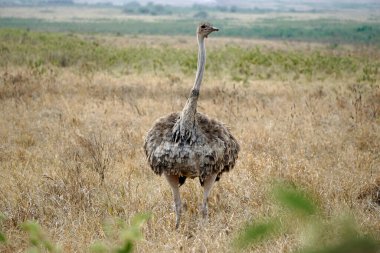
(189, 144)
(214, 150)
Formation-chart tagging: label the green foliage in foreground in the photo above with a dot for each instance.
(295, 200)
(41, 50)
(37, 239)
(301, 216)
(128, 236)
(2, 235)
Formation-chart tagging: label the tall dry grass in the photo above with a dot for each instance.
(71, 154)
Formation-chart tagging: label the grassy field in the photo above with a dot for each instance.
(358, 25)
(75, 108)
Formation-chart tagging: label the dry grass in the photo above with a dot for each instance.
(71, 155)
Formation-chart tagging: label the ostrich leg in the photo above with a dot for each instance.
(208, 183)
(174, 184)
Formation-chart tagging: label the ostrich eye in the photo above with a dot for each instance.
(203, 26)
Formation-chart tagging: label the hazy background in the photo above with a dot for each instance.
(275, 4)
(332, 22)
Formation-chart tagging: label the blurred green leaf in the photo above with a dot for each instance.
(2, 238)
(295, 200)
(257, 232)
(2, 235)
(339, 234)
(132, 234)
(139, 219)
(350, 245)
(33, 250)
(128, 235)
(33, 229)
(98, 247)
(126, 248)
(37, 237)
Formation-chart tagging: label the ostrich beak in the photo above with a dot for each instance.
(212, 29)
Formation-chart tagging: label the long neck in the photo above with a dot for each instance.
(201, 63)
(190, 108)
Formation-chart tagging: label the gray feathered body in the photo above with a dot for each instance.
(210, 149)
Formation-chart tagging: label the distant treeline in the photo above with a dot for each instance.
(159, 9)
(151, 8)
(35, 2)
(318, 30)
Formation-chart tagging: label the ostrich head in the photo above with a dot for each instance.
(204, 29)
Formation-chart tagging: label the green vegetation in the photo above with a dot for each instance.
(2, 235)
(319, 30)
(128, 236)
(39, 50)
(37, 239)
(158, 9)
(300, 216)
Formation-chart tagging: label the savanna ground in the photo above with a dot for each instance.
(75, 109)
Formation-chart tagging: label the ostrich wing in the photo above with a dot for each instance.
(214, 151)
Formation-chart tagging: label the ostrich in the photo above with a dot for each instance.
(189, 144)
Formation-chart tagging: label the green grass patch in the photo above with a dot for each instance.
(319, 30)
(38, 49)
